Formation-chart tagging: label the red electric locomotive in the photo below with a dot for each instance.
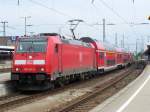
(41, 61)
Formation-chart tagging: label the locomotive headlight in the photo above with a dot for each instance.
(42, 69)
(17, 69)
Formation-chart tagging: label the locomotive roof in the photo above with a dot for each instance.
(68, 41)
(45, 36)
(76, 42)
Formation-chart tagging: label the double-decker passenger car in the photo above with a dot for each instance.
(108, 56)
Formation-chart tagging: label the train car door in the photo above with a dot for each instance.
(57, 58)
(60, 58)
(101, 57)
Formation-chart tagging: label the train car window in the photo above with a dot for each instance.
(101, 55)
(119, 56)
(110, 62)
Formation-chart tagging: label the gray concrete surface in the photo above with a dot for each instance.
(5, 89)
(5, 64)
(133, 98)
(5, 85)
(4, 77)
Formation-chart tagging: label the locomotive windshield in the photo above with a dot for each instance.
(31, 46)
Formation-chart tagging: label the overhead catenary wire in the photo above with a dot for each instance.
(51, 9)
(114, 11)
(119, 16)
(58, 12)
(68, 16)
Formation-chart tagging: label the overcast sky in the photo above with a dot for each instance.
(52, 16)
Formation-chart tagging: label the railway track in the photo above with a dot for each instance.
(12, 101)
(91, 100)
(9, 102)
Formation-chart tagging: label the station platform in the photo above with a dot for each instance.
(5, 77)
(5, 64)
(133, 98)
(5, 85)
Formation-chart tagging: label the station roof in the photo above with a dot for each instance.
(7, 48)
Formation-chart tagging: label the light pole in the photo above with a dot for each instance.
(25, 24)
(116, 39)
(4, 27)
(104, 28)
(137, 47)
(104, 31)
(18, 2)
(123, 41)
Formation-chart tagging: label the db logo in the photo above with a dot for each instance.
(29, 61)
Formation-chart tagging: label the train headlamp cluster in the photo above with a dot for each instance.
(42, 69)
(17, 69)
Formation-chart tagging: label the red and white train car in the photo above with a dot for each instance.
(109, 57)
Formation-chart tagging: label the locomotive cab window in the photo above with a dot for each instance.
(32, 46)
